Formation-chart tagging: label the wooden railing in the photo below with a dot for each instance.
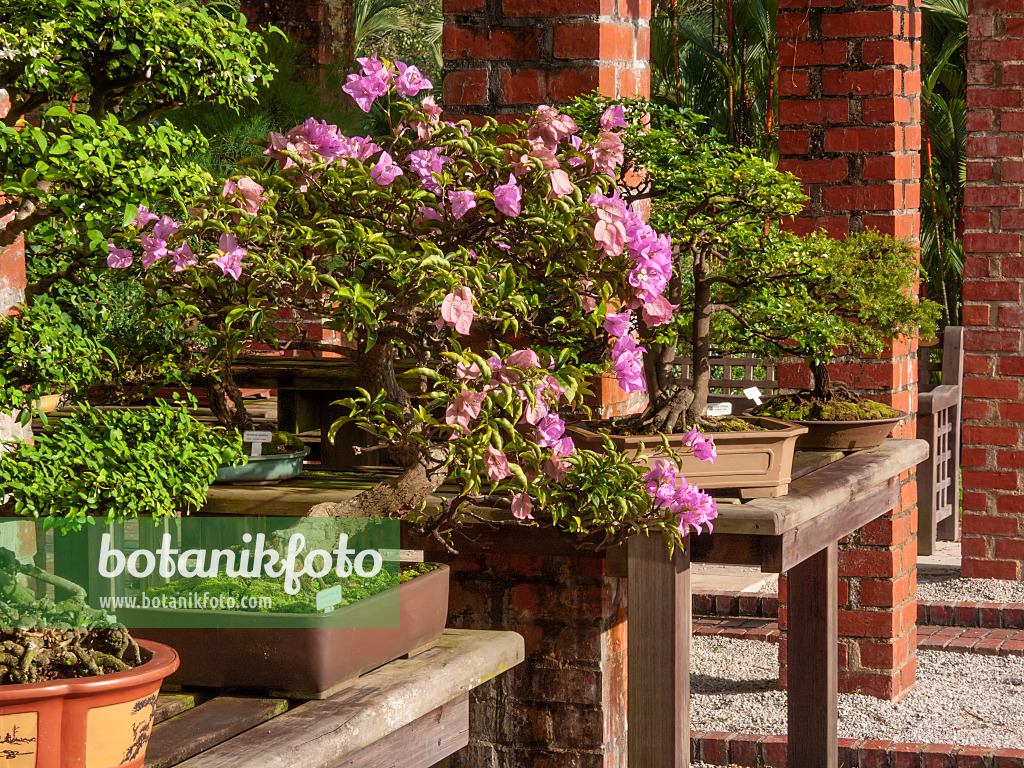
(938, 422)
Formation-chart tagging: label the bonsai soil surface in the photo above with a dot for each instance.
(631, 426)
(42, 655)
(805, 408)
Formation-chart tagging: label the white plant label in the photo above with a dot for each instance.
(753, 393)
(326, 599)
(257, 437)
(715, 410)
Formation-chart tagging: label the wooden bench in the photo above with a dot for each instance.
(411, 713)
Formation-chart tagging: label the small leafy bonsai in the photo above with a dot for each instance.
(498, 258)
(857, 297)
(743, 284)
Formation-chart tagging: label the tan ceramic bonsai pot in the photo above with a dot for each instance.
(758, 463)
(88, 722)
(846, 435)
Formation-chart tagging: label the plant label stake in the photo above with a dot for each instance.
(716, 410)
(753, 393)
(326, 599)
(257, 437)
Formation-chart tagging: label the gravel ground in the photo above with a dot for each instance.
(956, 589)
(962, 699)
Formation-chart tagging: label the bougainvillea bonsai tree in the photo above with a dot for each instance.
(500, 260)
(741, 283)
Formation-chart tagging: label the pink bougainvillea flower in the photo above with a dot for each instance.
(549, 126)
(118, 258)
(496, 463)
(410, 81)
(607, 153)
(508, 198)
(364, 89)
(617, 323)
(613, 117)
(550, 430)
(165, 228)
(629, 365)
(703, 446)
(385, 171)
(153, 249)
(526, 359)
(555, 469)
(522, 506)
(309, 140)
(231, 254)
(183, 257)
(427, 162)
(372, 65)
(249, 191)
(659, 312)
(588, 303)
(462, 201)
(464, 408)
(464, 371)
(457, 309)
(143, 217)
(534, 412)
(560, 183)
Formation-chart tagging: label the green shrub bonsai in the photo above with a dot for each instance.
(741, 283)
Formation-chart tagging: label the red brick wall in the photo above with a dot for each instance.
(849, 115)
(993, 454)
(506, 59)
(566, 704)
(326, 28)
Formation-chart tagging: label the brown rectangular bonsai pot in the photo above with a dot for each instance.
(758, 463)
(311, 662)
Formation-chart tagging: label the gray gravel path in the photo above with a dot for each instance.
(962, 699)
(956, 589)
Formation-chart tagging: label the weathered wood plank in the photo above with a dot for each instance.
(813, 671)
(659, 655)
(420, 744)
(207, 725)
(319, 734)
(170, 704)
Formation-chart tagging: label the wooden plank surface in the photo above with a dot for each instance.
(170, 704)
(207, 725)
(659, 655)
(813, 666)
(420, 744)
(319, 734)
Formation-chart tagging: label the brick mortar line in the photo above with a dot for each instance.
(968, 614)
(751, 750)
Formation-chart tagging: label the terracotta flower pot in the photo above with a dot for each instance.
(308, 662)
(89, 722)
(758, 463)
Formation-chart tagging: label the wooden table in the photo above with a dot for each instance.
(797, 534)
(410, 713)
(831, 496)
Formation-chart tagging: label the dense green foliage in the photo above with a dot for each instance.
(115, 463)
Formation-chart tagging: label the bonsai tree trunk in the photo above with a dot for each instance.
(822, 381)
(226, 400)
(701, 342)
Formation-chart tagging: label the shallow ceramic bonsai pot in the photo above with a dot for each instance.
(85, 722)
(846, 435)
(758, 463)
(309, 662)
(263, 470)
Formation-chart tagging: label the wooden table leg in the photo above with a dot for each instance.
(658, 655)
(813, 670)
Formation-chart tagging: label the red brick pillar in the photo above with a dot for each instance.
(12, 291)
(505, 57)
(566, 705)
(993, 454)
(326, 28)
(849, 116)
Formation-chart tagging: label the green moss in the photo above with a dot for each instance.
(353, 588)
(800, 408)
(631, 426)
(282, 443)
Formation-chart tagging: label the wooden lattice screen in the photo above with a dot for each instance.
(938, 422)
(730, 376)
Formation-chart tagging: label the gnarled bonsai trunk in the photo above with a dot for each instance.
(822, 381)
(226, 400)
(701, 342)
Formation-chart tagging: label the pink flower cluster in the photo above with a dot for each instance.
(519, 372)
(375, 78)
(669, 490)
